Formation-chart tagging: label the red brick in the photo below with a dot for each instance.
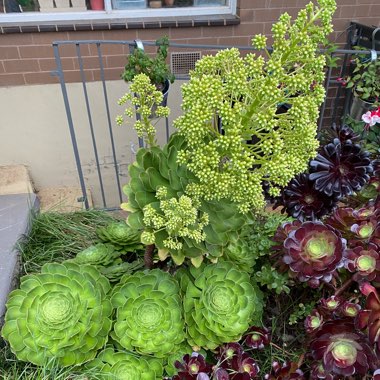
(40, 78)
(107, 49)
(9, 52)
(264, 15)
(252, 4)
(249, 29)
(375, 11)
(109, 74)
(47, 38)
(88, 63)
(75, 76)
(183, 33)
(234, 41)
(275, 4)
(11, 80)
(48, 64)
(129, 34)
(362, 11)
(15, 39)
(21, 66)
(246, 15)
(217, 31)
(116, 61)
(36, 51)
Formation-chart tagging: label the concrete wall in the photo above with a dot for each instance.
(34, 132)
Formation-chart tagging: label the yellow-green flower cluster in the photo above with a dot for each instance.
(144, 100)
(236, 138)
(180, 218)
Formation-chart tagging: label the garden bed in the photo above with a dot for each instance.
(200, 282)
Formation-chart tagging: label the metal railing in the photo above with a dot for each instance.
(334, 107)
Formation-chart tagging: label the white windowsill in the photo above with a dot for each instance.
(9, 19)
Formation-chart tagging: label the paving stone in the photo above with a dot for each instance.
(15, 222)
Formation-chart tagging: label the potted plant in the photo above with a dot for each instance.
(365, 85)
(139, 62)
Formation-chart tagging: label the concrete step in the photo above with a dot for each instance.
(62, 199)
(17, 201)
(15, 222)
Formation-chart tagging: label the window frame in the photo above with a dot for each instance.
(116, 15)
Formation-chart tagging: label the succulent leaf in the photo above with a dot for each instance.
(220, 304)
(63, 313)
(148, 313)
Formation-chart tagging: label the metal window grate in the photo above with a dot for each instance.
(183, 62)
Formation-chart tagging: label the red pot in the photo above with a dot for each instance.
(97, 5)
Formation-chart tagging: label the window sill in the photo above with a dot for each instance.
(120, 24)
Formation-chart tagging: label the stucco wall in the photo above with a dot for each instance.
(34, 132)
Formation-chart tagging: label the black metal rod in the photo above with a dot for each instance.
(109, 120)
(93, 138)
(327, 86)
(174, 44)
(60, 75)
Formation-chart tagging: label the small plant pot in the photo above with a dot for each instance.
(155, 4)
(97, 5)
(169, 3)
(165, 92)
(359, 107)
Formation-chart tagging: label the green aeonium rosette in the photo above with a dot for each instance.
(125, 366)
(121, 236)
(149, 316)
(99, 255)
(220, 304)
(61, 315)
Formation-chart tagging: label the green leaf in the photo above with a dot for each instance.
(156, 180)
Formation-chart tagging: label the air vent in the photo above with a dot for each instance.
(183, 62)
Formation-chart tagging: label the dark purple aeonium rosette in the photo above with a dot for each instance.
(192, 367)
(301, 200)
(313, 321)
(236, 363)
(313, 252)
(340, 131)
(342, 349)
(364, 262)
(340, 168)
(257, 337)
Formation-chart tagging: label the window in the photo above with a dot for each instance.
(73, 10)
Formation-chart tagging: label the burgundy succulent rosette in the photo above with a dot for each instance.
(236, 363)
(313, 252)
(363, 262)
(342, 350)
(192, 367)
(257, 338)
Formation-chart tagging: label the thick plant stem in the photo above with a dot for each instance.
(344, 287)
(148, 256)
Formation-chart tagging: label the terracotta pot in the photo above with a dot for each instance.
(97, 5)
(169, 3)
(155, 3)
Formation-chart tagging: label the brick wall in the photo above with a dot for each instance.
(27, 58)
